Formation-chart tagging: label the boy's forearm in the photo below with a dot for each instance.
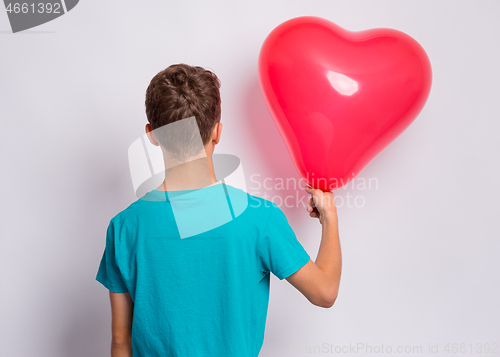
(329, 257)
(121, 350)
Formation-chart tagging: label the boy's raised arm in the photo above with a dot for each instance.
(319, 281)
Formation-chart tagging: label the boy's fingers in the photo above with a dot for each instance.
(312, 191)
(314, 214)
(309, 189)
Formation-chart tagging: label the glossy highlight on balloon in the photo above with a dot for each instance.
(340, 97)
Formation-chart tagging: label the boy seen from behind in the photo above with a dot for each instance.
(188, 264)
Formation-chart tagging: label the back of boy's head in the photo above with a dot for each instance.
(179, 92)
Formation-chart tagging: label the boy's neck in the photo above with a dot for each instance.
(190, 175)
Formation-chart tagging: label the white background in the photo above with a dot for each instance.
(420, 258)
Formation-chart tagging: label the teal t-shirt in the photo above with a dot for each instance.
(197, 266)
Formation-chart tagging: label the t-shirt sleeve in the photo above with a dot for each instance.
(279, 250)
(109, 274)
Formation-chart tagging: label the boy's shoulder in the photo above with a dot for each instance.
(255, 206)
(128, 213)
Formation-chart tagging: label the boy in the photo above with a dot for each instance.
(206, 294)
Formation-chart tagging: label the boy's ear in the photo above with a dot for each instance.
(151, 135)
(216, 133)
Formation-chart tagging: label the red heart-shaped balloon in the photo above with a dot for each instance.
(339, 97)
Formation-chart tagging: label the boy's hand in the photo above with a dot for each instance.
(321, 205)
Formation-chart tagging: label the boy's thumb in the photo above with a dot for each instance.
(311, 190)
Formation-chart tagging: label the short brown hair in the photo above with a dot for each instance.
(181, 91)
